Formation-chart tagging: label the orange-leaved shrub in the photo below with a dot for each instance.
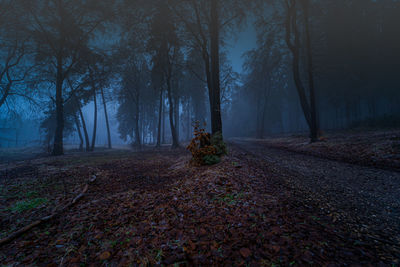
(203, 151)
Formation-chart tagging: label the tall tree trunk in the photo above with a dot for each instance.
(144, 135)
(58, 148)
(176, 116)
(138, 140)
(163, 125)
(106, 116)
(160, 114)
(78, 128)
(216, 121)
(85, 132)
(95, 120)
(294, 46)
(142, 127)
(175, 141)
(189, 122)
(313, 112)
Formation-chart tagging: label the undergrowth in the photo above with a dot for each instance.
(206, 149)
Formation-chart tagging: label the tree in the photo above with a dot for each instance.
(94, 93)
(166, 55)
(294, 43)
(106, 116)
(62, 30)
(134, 84)
(78, 129)
(314, 128)
(204, 22)
(79, 94)
(158, 85)
(15, 55)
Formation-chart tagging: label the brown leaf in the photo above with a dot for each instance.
(192, 245)
(75, 260)
(203, 231)
(276, 248)
(105, 255)
(245, 252)
(99, 236)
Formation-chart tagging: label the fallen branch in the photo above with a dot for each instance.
(25, 229)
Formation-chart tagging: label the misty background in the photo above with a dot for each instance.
(115, 52)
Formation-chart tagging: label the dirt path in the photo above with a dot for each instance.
(364, 197)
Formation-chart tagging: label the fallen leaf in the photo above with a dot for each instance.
(203, 231)
(245, 252)
(105, 255)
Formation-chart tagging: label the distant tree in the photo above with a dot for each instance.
(62, 30)
(15, 55)
(85, 82)
(158, 85)
(294, 41)
(131, 97)
(80, 95)
(103, 98)
(205, 21)
(197, 86)
(78, 129)
(167, 56)
(98, 76)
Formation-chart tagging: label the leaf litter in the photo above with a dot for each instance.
(154, 208)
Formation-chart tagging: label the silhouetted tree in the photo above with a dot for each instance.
(204, 22)
(62, 30)
(165, 49)
(16, 62)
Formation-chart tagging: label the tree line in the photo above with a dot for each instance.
(317, 64)
(321, 65)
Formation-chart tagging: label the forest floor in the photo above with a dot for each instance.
(259, 206)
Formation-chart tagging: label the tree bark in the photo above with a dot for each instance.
(313, 116)
(95, 120)
(84, 129)
(138, 140)
(78, 128)
(160, 114)
(58, 148)
(176, 116)
(294, 47)
(216, 121)
(163, 125)
(189, 122)
(175, 141)
(106, 116)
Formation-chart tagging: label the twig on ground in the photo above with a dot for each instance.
(25, 229)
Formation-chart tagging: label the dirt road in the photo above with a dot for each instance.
(366, 198)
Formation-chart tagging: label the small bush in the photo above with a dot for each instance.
(206, 150)
(218, 142)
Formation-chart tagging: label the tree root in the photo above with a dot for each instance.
(25, 229)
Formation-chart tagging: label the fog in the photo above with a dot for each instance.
(243, 68)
